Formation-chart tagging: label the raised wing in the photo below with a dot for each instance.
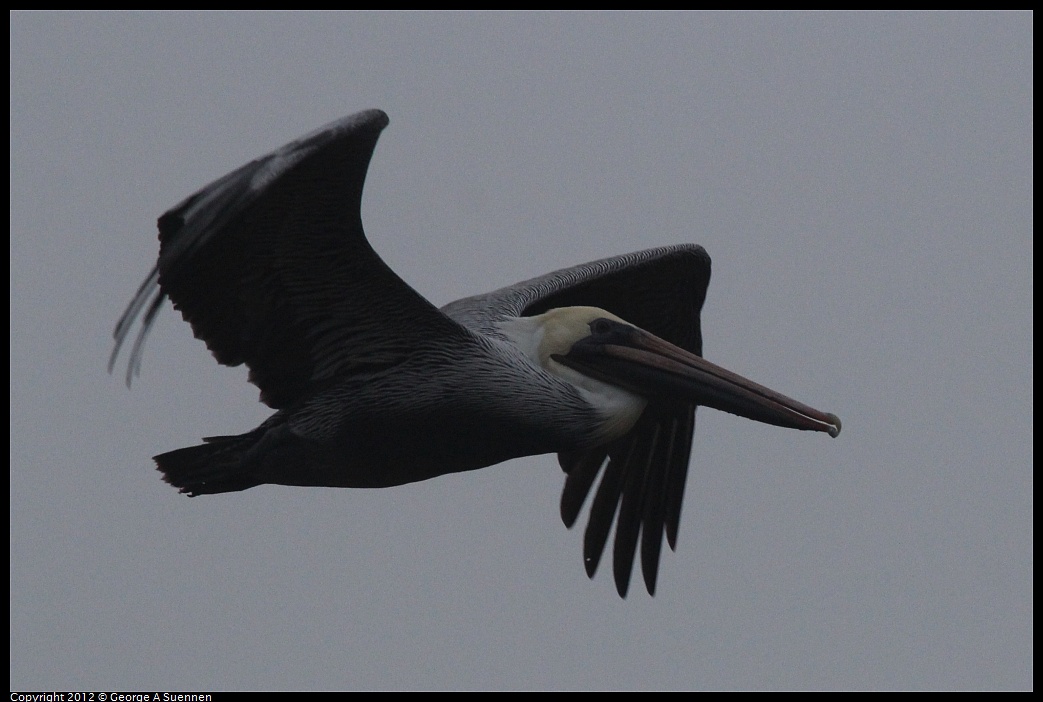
(662, 291)
(271, 267)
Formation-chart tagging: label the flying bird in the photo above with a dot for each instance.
(374, 386)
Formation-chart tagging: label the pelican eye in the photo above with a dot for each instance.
(601, 327)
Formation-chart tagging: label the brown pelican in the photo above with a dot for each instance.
(374, 386)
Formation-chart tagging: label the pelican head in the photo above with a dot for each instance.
(620, 368)
(546, 337)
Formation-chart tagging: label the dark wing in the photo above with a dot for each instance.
(271, 267)
(662, 291)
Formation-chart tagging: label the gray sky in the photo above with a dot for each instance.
(864, 186)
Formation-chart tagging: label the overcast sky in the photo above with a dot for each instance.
(863, 183)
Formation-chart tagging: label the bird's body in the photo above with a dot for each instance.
(375, 387)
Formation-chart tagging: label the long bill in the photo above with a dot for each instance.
(651, 367)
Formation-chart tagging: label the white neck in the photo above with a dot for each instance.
(553, 333)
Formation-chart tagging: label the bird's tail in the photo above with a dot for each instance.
(216, 466)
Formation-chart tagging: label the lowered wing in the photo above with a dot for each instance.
(662, 291)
